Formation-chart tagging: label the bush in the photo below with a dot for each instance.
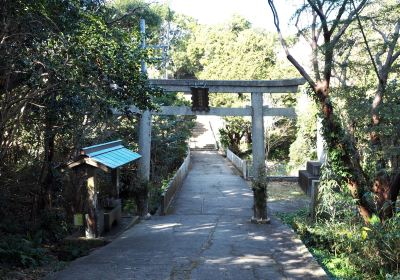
(380, 244)
(76, 248)
(54, 225)
(304, 148)
(22, 251)
(349, 250)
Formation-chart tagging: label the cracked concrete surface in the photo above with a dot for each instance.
(207, 235)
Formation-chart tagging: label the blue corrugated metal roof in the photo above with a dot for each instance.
(112, 157)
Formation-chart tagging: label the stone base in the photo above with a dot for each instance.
(260, 221)
(112, 216)
(305, 179)
(147, 216)
(91, 232)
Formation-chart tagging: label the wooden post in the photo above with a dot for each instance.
(115, 181)
(91, 230)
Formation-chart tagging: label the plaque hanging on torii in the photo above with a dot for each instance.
(200, 99)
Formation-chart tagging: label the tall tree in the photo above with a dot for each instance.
(329, 22)
(64, 66)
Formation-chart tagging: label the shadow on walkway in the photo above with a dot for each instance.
(206, 236)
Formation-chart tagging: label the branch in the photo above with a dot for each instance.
(395, 56)
(384, 37)
(392, 46)
(338, 17)
(329, 9)
(320, 5)
(130, 13)
(295, 63)
(366, 42)
(378, 57)
(301, 32)
(348, 21)
(320, 13)
(314, 46)
(4, 38)
(319, 33)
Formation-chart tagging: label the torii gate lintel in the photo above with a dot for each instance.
(257, 111)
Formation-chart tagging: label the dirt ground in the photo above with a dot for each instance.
(285, 197)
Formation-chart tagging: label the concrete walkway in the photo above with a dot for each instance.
(207, 236)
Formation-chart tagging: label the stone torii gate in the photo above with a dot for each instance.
(257, 111)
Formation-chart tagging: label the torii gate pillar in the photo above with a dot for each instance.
(145, 145)
(145, 123)
(259, 192)
(258, 134)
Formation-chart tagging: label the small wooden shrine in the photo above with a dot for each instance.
(108, 157)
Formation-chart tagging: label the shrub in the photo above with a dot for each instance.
(349, 250)
(22, 251)
(303, 148)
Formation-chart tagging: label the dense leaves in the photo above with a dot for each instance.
(65, 68)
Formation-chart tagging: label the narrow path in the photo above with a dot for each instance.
(207, 236)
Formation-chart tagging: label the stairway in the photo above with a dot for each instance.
(307, 176)
(202, 136)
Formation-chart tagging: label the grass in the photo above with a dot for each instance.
(337, 266)
(348, 249)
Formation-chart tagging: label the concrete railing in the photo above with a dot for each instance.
(271, 178)
(217, 145)
(239, 163)
(174, 185)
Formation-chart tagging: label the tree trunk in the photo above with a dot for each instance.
(46, 179)
(385, 190)
(334, 137)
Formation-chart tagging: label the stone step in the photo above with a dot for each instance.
(305, 180)
(208, 146)
(203, 149)
(314, 167)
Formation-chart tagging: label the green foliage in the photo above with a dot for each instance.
(169, 139)
(129, 206)
(304, 147)
(358, 118)
(154, 198)
(236, 129)
(72, 67)
(334, 203)
(22, 251)
(349, 250)
(76, 248)
(380, 242)
(53, 225)
(231, 51)
(64, 67)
